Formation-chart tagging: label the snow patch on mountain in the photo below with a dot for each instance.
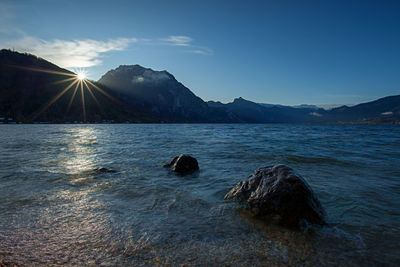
(151, 77)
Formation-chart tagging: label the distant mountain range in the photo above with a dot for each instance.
(35, 90)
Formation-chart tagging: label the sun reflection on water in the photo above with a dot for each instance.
(76, 221)
(81, 157)
(71, 225)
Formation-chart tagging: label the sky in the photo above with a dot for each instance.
(280, 52)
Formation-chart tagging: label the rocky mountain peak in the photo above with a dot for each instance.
(138, 74)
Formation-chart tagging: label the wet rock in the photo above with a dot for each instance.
(278, 192)
(104, 170)
(183, 164)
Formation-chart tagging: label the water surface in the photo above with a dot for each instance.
(56, 209)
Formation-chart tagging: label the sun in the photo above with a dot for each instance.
(78, 80)
(81, 76)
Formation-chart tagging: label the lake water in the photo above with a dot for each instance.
(56, 209)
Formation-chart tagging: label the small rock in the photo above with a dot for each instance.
(183, 164)
(105, 170)
(277, 191)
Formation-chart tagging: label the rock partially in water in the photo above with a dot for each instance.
(278, 191)
(183, 164)
(104, 170)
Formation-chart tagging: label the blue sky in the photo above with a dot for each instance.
(285, 52)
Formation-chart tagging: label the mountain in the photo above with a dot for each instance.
(35, 90)
(172, 101)
(250, 112)
(162, 93)
(31, 89)
(383, 110)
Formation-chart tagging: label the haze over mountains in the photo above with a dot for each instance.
(132, 93)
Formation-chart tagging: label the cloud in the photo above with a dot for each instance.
(75, 53)
(186, 41)
(202, 51)
(178, 40)
(88, 52)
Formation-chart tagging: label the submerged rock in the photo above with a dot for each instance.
(104, 170)
(278, 191)
(183, 164)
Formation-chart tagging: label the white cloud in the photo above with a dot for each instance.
(178, 40)
(75, 53)
(186, 41)
(202, 51)
(88, 52)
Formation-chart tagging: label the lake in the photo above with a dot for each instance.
(57, 209)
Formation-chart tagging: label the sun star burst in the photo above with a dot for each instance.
(80, 81)
(81, 76)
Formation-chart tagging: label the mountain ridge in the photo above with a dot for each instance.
(161, 92)
(32, 90)
(133, 93)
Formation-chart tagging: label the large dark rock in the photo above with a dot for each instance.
(277, 191)
(183, 164)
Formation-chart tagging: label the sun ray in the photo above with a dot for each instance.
(54, 99)
(103, 92)
(72, 97)
(44, 70)
(64, 81)
(91, 93)
(83, 101)
(80, 82)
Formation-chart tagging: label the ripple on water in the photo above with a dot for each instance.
(57, 209)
